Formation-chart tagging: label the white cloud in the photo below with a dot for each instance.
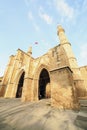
(37, 28)
(30, 15)
(64, 9)
(48, 19)
(83, 55)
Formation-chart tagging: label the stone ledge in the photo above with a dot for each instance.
(64, 67)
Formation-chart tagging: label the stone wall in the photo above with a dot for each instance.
(83, 71)
(63, 92)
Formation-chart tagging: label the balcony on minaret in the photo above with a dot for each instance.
(62, 37)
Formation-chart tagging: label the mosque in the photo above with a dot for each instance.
(55, 75)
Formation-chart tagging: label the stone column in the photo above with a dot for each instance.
(27, 93)
(35, 89)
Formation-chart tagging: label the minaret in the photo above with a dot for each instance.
(30, 51)
(67, 47)
(77, 77)
(61, 33)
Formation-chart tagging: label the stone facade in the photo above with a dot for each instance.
(83, 71)
(1, 79)
(54, 75)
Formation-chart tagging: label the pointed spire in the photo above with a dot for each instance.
(30, 51)
(61, 33)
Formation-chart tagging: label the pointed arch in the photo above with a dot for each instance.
(36, 92)
(20, 86)
(43, 90)
(19, 79)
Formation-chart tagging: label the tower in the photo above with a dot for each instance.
(77, 77)
(67, 47)
(61, 33)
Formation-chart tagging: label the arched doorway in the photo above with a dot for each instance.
(20, 86)
(44, 87)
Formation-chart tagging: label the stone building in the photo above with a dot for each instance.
(1, 79)
(54, 75)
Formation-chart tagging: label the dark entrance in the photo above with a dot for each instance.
(44, 79)
(20, 86)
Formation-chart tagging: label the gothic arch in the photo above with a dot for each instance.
(36, 79)
(20, 86)
(16, 81)
(44, 90)
(38, 70)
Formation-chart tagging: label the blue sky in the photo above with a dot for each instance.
(23, 22)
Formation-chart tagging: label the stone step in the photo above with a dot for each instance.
(83, 102)
(83, 109)
(81, 119)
